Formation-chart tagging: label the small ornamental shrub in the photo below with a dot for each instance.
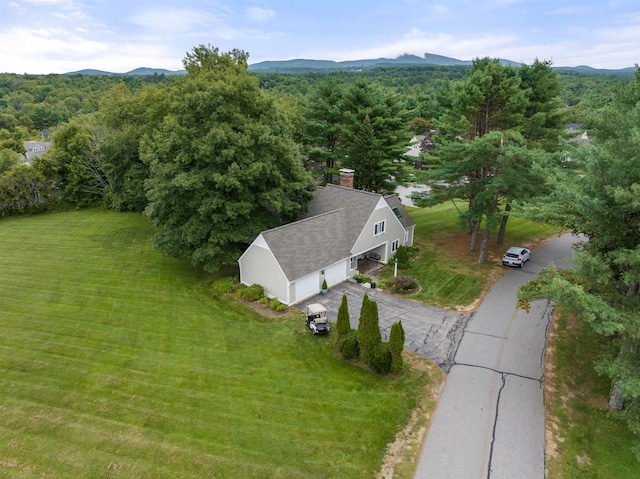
(324, 284)
(224, 285)
(380, 358)
(348, 345)
(402, 255)
(240, 289)
(382, 284)
(253, 292)
(406, 256)
(403, 284)
(276, 305)
(264, 301)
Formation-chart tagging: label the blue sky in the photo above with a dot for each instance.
(58, 36)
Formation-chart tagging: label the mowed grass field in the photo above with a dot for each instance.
(117, 362)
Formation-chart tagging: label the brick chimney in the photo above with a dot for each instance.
(346, 178)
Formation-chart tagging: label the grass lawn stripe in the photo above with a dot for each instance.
(118, 362)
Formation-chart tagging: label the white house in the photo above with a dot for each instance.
(342, 227)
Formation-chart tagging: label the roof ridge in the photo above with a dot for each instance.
(303, 220)
(351, 189)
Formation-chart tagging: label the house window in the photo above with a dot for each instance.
(395, 245)
(379, 227)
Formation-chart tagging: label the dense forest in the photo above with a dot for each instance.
(217, 155)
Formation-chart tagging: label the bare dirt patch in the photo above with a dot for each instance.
(552, 437)
(402, 454)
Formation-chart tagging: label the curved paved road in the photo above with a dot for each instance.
(490, 419)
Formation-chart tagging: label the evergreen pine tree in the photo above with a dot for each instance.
(368, 329)
(342, 324)
(396, 345)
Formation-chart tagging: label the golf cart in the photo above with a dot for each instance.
(317, 319)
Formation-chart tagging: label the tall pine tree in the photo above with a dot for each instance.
(603, 287)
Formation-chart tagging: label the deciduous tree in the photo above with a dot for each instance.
(223, 163)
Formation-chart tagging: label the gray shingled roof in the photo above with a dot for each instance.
(310, 244)
(327, 233)
(394, 202)
(360, 204)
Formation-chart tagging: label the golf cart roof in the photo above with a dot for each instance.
(316, 308)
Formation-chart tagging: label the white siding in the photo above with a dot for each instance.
(259, 266)
(336, 273)
(306, 287)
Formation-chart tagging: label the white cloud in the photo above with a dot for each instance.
(49, 3)
(571, 10)
(60, 51)
(171, 20)
(259, 14)
(439, 9)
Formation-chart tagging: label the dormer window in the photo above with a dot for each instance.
(379, 227)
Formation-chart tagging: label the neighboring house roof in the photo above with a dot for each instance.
(328, 232)
(414, 148)
(35, 148)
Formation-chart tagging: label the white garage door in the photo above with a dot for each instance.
(336, 274)
(307, 286)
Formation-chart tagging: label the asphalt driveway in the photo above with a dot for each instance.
(431, 332)
(489, 421)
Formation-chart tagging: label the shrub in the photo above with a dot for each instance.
(361, 278)
(348, 345)
(403, 284)
(396, 345)
(240, 289)
(380, 358)
(382, 284)
(343, 326)
(253, 292)
(264, 301)
(324, 284)
(405, 256)
(402, 255)
(276, 305)
(224, 285)
(368, 328)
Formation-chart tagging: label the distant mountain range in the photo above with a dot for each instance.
(133, 73)
(304, 66)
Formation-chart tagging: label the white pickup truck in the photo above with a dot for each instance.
(317, 319)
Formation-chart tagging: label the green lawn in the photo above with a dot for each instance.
(449, 274)
(590, 443)
(117, 362)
